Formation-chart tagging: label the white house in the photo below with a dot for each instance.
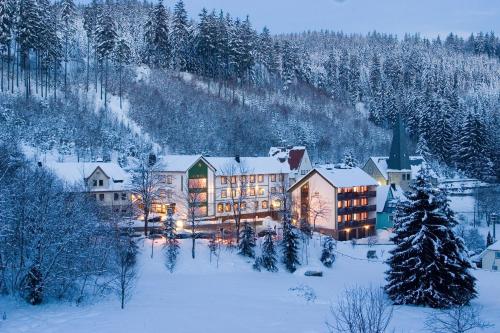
(107, 182)
(490, 258)
(336, 200)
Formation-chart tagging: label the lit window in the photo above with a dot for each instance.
(233, 193)
(223, 194)
(220, 208)
(198, 183)
(355, 202)
(252, 178)
(233, 179)
(273, 177)
(243, 179)
(252, 191)
(355, 189)
(347, 218)
(243, 205)
(260, 178)
(339, 204)
(363, 215)
(347, 203)
(223, 180)
(169, 179)
(364, 201)
(261, 191)
(228, 207)
(339, 218)
(265, 204)
(340, 190)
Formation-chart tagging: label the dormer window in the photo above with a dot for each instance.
(101, 182)
(94, 183)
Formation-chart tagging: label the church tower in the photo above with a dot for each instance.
(398, 164)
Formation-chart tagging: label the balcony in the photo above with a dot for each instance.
(356, 195)
(357, 224)
(356, 209)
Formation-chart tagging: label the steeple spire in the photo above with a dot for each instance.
(398, 158)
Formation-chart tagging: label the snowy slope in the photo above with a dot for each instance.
(199, 297)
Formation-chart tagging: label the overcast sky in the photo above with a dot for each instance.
(429, 17)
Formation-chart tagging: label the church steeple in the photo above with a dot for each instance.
(399, 158)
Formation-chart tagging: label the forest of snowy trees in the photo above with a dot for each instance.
(329, 91)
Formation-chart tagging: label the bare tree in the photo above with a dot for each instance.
(124, 271)
(318, 209)
(361, 310)
(237, 175)
(460, 319)
(194, 199)
(146, 184)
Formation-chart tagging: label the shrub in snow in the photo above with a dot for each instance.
(474, 241)
(428, 265)
(290, 246)
(489, 239)
(268, 259)
(247, 241)
(305, 291)
(361, 310)
(458, 319)
(328, 252)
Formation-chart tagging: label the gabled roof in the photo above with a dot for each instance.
(416, 163)
(340, 177)
(295, 158)
(75, 173)
(399, 157)
(387, 193)
(247, 165)
(494, 247)
(179, 163)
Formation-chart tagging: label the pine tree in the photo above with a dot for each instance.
(157, 39)
(489, 239)
(68, 13)
(349, 160)
(268, 259)
(6, 22)
(181, 37)
(428, 265)
(172, 244)
(290, 246)
(328, 252)
(28, 25)
(106, 39)
(247, 241)
(423, 148)
(122, 57)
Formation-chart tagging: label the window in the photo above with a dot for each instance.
(276, 204)
(101, 197)
(198, 197)
(261, 191)
(243, 205)
(347, 218)
(355, 189)
(273, 177)
(363, 216)
(252, 178)
(163, 193)
(243, 179)
(339, 219)
(223, 194)
(94, 196)
(252, 192)
(94, 182)
(260, 178)
(169, 179)
(223, 180)
(355, 202)
(495, 268)
(233, 179)
(497, 255)
(265, 204)
(243, 192)
(280, 189)
(364, 201)
(339, 204)
(340, 190)
(198, 183)
(273, 190)
(347, 203)
(282, 177)
(363, 188)
(201, 211)
(233, 193)
(169, 194)
(227, 207)
(101, 182)
(116, 196)
(220, 208)
(124, 196)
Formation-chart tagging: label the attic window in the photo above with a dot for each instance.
(117, 180)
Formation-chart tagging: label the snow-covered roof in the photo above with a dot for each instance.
(494, 247)
(292, 155)
(382, 194)
(416, 162)
(248, 165)
(177, 163)
(75, 173)
(346, 177)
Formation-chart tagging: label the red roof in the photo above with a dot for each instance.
(295, 157)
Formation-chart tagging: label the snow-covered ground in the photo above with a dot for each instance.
(199, 297)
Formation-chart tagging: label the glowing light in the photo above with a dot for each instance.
(347, 230)
(367, 227)
(179, 224)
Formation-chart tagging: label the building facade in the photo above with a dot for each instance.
(339, 201)
(296, 158)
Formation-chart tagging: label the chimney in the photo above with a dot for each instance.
(237, 158)
(152, 159)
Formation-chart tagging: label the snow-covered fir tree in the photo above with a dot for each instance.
(328, 251)
(349, 160)
(158, 46)
(269, 257)
(247, 241)
(172, 244)
(489, 239)
(290, 246)
(428, 266)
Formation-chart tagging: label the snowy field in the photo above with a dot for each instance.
(199, 297)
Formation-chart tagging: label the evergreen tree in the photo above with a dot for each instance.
(290, 246)
(68, 13)
(423, 148)
(268, 259)
(28, 24)
(6, 25)
(328, 252)
(181, 37)
(122, 56)
(428, 265)
(105, 39)
(158, 46)
(290, 64)
(172, 244)
(349, 160)
(247, 241)
(489, 239)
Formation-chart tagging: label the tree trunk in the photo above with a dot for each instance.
(65, 66)
(120, 89)
(88, 65)
(193, 237)
(106, 85)
(146, 218)
(1, 55)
